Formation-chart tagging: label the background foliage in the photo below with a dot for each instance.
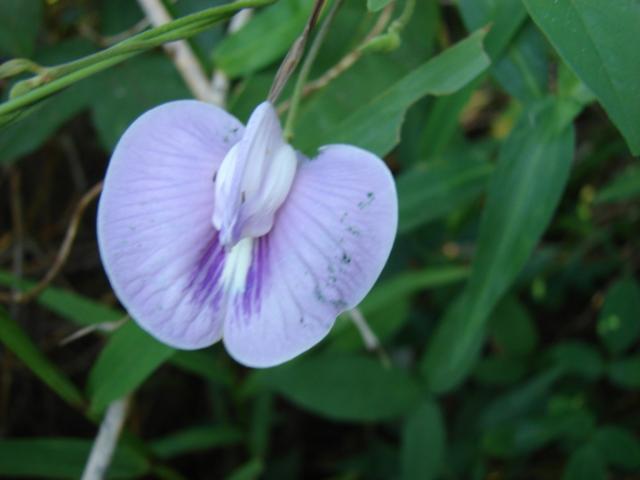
(509, 312)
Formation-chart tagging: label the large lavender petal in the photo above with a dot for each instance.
(329, 243)
(158, 246)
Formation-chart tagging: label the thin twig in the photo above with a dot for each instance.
(345, 62)
(106, 440)
(180, 52)
(63, 252)
(294, 55)
(369, 338)
(220, 81)
(97, 327)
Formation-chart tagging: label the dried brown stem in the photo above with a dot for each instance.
(63, 252)
(294, 55)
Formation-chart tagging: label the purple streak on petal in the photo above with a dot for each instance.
(204, 285)
(328, 245)
(154, 220)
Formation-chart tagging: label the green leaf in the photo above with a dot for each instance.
(69, 305)
(204, 364)
(619, 446)
(126, 93)
(263, 40)
(519, 400)
(432, 190)
(503, 17)
(376, 125)
(619, 320)
(523, 68)
(249, 471)
(376, 5)
(596, 40)
(60, 457)
(20, 22)
(499, 370)
(195, 439)
(344, 387)
(512, 328)
(21, 345)
(578, 358)
(423, 443)
(626, 372)
(524, 192)
(387, 305)
(129, 358)
(586, 463)
(443, 120)
(624, 187)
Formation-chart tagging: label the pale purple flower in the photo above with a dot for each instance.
(211, 230)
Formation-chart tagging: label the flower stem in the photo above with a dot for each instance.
(306, 69)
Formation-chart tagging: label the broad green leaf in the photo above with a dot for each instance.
(204, 364)
(443, 120)
(344, 387)
(195, 439)
(619, 320)
(423, 443)
(520, 400)
(130, 356)
(586, 463)
(504, 18)
(519, 437)
(375, 5)
(578, 358)
(432, 190)
(596, 39)
(512, 328)
(387, 305)
(619, 446)
(499, 370)
(264, 39)
(376, 125)
(523, 68)
(626, 372)
(321, 111)
(524, 191)
(624, 187)
(61, 457)
(248, 471)
(16, 340)
(127, 93)
(20, 22)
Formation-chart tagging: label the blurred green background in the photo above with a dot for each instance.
(508, 314)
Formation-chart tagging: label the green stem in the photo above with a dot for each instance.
(306, 69)
(56, 78)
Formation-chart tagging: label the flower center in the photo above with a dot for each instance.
(253, 180)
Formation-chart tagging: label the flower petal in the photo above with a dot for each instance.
(329, 243)
(159, 248)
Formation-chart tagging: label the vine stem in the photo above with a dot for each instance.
(306, 69)
(53, 79)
